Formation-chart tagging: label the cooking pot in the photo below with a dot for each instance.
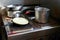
(41, 14)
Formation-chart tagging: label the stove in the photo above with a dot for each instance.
(20, 28)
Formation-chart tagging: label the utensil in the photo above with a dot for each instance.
(10, 10)
(41, 14)
(20, 21)
(16, 14)
(17, 8)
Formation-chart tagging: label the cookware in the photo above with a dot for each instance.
(16, 14)
(20, 21)
(17, 8)
(10, 10)
(13, 8)
(41, 14)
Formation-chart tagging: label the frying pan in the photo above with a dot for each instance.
(20, 21)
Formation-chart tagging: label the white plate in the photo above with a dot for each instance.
(20, 21)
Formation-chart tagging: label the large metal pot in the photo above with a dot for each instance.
(41, 14)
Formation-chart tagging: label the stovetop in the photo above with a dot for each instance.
(16, 27)
(29, 27)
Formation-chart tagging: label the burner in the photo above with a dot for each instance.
(16, 27)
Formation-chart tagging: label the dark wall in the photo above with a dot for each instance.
(54, 5)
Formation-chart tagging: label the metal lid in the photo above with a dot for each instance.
(16, 13)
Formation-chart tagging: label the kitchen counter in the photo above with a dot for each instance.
(36, 32)
(33, 30)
